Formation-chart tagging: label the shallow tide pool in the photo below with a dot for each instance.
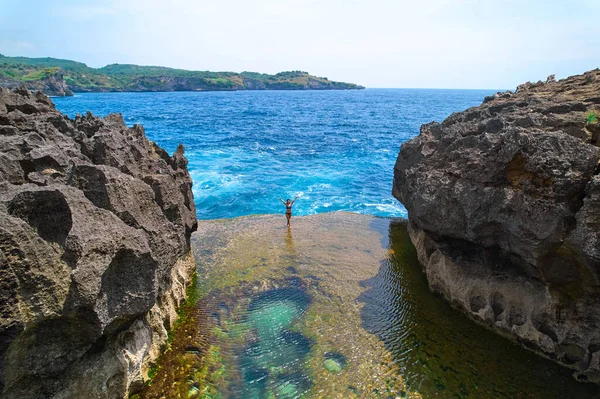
(335, 307)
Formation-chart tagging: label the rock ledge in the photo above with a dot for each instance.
(95, 225)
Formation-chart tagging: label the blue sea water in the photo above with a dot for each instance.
(247, 149)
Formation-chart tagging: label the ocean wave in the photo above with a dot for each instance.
(245, 151)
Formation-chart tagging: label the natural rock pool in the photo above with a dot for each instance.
(335, 307)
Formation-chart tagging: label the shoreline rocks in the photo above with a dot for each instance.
(503, 202)
(95, 235)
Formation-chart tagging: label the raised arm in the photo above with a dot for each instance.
(295, 199)
(282, 201)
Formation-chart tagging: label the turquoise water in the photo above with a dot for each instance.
(247, 149)
(273, 362)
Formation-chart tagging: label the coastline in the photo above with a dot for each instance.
(65, 77)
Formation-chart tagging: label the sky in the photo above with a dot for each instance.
(486, 44)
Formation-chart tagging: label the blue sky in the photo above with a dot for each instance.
(378, 43)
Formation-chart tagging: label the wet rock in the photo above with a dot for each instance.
(516, 317)
(571, 353)
(477, 303)
(95, 223)
(503, 200)
(498, 305)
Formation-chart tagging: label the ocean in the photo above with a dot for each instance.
(247, 149)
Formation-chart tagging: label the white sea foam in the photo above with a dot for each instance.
(386, 207)
(276, 150)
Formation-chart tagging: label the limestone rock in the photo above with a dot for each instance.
(503, 202)
(95, 224)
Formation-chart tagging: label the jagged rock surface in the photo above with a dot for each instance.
(95, 226)
(504, 202)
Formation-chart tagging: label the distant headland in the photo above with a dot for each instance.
(58, 77)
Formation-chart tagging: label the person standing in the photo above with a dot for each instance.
(288, 208)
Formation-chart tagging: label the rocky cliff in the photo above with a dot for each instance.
(52, 83)
(95, 225)
(503, 203)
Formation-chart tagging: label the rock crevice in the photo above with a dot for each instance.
(95, 231)
(502, 201)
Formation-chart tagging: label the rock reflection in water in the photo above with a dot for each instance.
(442, 353)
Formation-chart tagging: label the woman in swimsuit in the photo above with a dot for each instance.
(288, 208)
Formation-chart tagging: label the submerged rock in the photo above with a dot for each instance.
(95, 225)
(503, 202)
(334, 362)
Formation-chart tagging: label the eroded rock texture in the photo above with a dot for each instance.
(95, 223)
(504, 207)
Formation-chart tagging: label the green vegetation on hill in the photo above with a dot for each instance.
(78, 77)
